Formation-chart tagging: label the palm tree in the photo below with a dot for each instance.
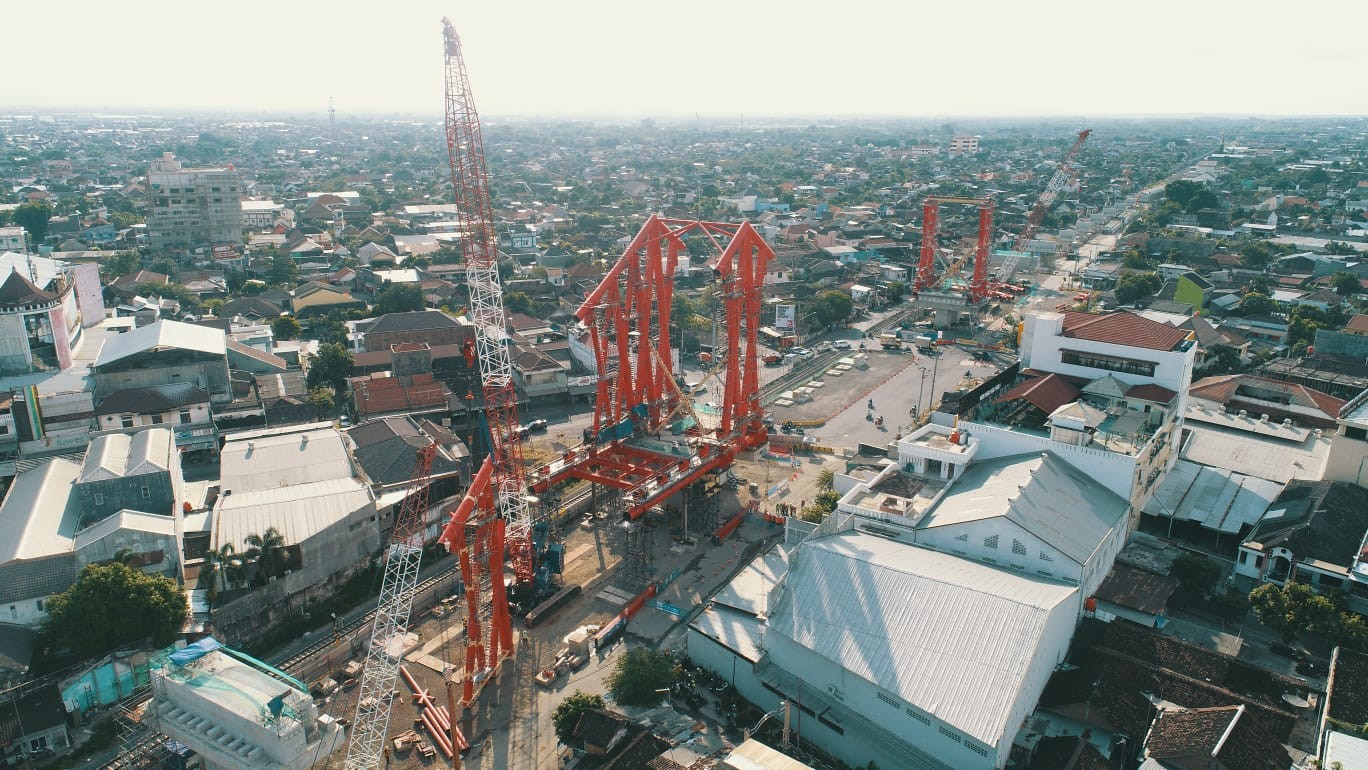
(232, 565)
(269, 552)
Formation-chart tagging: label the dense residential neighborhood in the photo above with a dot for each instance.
(1124, 525)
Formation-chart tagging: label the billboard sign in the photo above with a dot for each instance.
(784, 316)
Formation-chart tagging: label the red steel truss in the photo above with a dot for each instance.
(630, 445)
(979, 288)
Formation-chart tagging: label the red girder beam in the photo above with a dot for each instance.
(978, 287)
(926, 268)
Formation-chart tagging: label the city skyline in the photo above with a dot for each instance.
(622, 59)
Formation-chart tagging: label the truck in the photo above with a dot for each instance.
(889, 341)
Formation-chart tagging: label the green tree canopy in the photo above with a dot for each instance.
(284, 271)
(111, 605)
(120, 263)
(640, 672)
(330, 366)
(269, 552)
(33, 217)
(399, 298)
(567, 715)
(1345, 283)
(1256, 254)
(1133, 286)
(285, 328)
(1255, 303)
(1196, 573)
(1292, 609)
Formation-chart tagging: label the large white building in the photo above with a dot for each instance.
(192, 207)
(235, 712)
(892, 653)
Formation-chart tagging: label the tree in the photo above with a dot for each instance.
(1256, 254)
(285, 328)
(895, 291)
(120, 263)
(826, 480)
(111, 605)
(269, 552)
(322, 397)
(284, 271)
(232, 566)
(33, 217)
(1345, 283)
(518, 302)
(1196, 573)
(1255, 303)
(399, 298)
(640, 672)
(1133, 286)
(1225, 359)
(1292, 608)
(330, 366)
(1340, 249)
(567, 715)
(821, 507)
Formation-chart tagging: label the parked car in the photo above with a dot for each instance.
(841, 344)
(1287, 651)
(825, 347)
(344, 421)
(536, 425)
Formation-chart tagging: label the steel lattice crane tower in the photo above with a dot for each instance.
(386, 649)
(1043, 204)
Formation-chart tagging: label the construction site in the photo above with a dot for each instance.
(558, 554)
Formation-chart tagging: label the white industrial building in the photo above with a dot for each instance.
(235, 712)
(890, 652)
(301, 481)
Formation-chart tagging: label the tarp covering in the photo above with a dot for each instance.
(193, 652)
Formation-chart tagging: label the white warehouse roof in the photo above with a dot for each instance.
(162, 334)
(951, 636)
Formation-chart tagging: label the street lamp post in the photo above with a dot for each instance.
(921, 388)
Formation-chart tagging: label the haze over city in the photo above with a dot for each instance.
(709, 58)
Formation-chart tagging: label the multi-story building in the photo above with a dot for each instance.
(964, 145)
(192, 207)
(14, 239)
(41, 313)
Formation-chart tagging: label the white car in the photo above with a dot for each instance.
(842, 344)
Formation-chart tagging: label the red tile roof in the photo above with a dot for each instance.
(1151, 392)
(1358, 324)
(378, 395)
(1226, 390)
(1046, 393)
(1192, 732)
(1123, 328)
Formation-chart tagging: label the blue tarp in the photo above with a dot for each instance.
(193, 652)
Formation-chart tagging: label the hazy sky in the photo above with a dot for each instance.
(529, 57)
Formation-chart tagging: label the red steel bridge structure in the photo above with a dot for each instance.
(647, 440)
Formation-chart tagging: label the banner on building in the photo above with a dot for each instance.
(784, 316)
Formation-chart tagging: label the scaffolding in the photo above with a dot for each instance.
(638, 548)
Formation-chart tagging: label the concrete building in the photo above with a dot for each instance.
(386, 452)
(182, 407)
(51, 535)
(33, 725)
(262, 215)
(139, 472)
(893, 653)
(236, 712)
(964, 145)
(192, 208)
(432, 327)
(40, 314)
(165, 353)
(301, 481)
(14, 239)
(1349, 445)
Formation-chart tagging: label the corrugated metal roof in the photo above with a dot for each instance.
(287, 458)
(162, 334)
(116, 455)
(737, 631)
(1214, 497)
(749, 591)
(298, 511)
(38, 516)
(951, 636)
(1042, 494)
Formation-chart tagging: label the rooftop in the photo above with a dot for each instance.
(1042, 494)
(39, 513)
(162, 334)
(1245, 445)
(1216, 498)
(1124, 328)
(953, 637)
(119, 455)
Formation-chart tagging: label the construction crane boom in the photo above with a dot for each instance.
(383, 656)
(480, 249)
(1047, 197)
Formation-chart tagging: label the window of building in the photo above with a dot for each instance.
(1046, 557)
(1108, 363)
(1329, 581)
(99, 498)
(1018, 547)
(158, 419)
(184, 416)
(963, 537)
(990, 542)
(977, 749)
(146, 493)
(1358, 434)
(951, 734)
(1244, 557)
(126, 420)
